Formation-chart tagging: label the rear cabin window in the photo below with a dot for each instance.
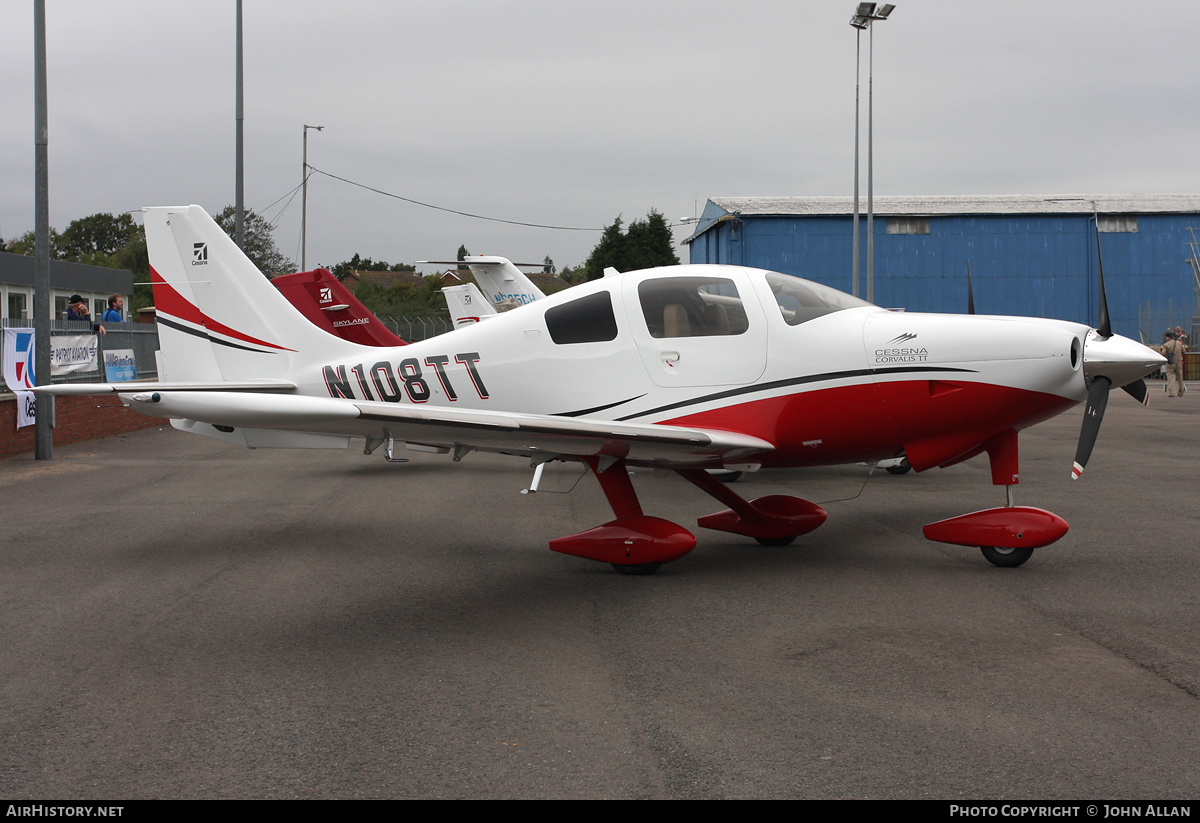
(692, 307)
(586, 320)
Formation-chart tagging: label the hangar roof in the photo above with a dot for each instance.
(924, 205)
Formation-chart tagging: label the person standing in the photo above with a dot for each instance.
(113, 315)
(1174, 350)
(77, 311)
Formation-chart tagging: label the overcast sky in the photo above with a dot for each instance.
(570, 113)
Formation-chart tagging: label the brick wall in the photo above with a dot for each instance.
(78, 418)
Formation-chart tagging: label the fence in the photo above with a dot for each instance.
(142, 338)
(412, 329)
(1154, 318)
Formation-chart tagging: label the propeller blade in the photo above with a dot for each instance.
(970, 291)
(1138, 391)
(1103, 326)
(1093, 414)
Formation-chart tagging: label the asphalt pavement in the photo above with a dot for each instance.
(183, 619)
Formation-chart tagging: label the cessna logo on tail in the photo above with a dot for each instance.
(199, 254)
(903, 338)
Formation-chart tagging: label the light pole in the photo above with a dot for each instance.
(239, 184)
(864, 15)
(304, 202)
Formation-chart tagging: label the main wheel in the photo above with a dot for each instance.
(636, 568)
(1008, 558)
(776, 541)
(904, 468)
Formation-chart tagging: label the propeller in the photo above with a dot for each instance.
(970, 291)
(1108, 359)
(1093, 413)
(1102, 324)
(1138, 391)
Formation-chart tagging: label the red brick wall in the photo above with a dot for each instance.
(78, 418)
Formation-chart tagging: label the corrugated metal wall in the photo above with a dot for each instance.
(1035, 265)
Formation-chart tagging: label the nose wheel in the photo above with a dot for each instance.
(1006, 557)
(636, 569)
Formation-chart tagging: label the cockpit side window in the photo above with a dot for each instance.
(692, 307)
(801, 300)
(586, 320)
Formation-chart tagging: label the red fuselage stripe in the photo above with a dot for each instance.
(169, 301)
(873, 421)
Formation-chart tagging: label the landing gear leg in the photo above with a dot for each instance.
(775, 520)
(634, 543)
(1007, 535)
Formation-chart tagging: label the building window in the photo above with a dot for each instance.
(908, 225)
(1118, 223)
(16, 306)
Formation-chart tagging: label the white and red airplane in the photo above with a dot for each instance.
(681, 368)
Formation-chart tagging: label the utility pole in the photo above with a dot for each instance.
(304, 202)
(43, 304)
(239, 197)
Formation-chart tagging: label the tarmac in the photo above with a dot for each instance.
(185, 619)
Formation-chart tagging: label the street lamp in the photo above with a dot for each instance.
(304, 202)
(864, 15)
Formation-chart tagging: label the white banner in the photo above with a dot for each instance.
(73, 352)
(26, 409)
(18, 371)
(18, 359)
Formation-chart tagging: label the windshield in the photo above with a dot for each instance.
(802, 300)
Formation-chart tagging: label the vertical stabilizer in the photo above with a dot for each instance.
(219, 318)
(502, 281)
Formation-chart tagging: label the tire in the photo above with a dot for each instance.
(903, 468)
(1006, 558)
(776, 541)
(636, 569)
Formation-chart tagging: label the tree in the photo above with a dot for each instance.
(610, 251)
(26, 244)
(260, 241)
(463, 254)
(102, 235)
(403, 299)
(647, 243)
(357, 263)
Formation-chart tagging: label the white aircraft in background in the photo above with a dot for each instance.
(681, 368)
(502, 286)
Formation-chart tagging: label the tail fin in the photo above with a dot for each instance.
(505, 285)
(219, 317)
(502, 281)
(467, 305)
(329, 305)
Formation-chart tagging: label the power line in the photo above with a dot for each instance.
(315, 170)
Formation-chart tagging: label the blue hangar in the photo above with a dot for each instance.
(1029, 255)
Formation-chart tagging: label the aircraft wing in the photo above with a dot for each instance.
(449, 428)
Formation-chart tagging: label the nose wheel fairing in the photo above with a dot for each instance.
(1007, 527)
